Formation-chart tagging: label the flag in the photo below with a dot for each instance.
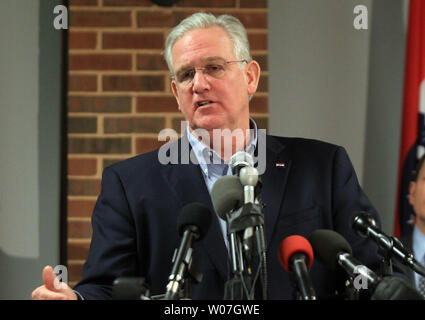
(412, 143)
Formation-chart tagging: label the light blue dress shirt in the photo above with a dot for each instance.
(213, 167)
(418, 249)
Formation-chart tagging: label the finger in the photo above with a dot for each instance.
(49, 278)
(50, 295)
(35, 293)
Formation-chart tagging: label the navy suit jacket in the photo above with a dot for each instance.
(135, 217)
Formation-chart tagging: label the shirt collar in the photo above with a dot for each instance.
(206, 156)
(418, 244)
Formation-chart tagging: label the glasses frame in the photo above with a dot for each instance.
(203, 70)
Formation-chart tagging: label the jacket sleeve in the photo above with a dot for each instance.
(113, 251)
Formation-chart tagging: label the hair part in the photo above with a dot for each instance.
(230, 24)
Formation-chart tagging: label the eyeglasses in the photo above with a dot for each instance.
(215, 70)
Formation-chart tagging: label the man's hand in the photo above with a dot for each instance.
(52, 288)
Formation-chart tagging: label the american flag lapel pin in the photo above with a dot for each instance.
(280, 164)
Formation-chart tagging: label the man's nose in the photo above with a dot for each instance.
(200, 81)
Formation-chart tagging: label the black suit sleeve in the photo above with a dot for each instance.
(113, 246)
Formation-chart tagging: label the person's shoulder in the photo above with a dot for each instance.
(303, 144)
(142, 164)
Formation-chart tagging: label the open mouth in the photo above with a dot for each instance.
(203, 103)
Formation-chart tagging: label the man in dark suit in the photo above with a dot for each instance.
(307, 184)
(415, 242)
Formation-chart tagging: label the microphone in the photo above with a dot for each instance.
(240, 160)
(228, 199)
(365, 226)
(227, 195)
(193, 223)
(296, 257)
(333, 251)
(242, 166)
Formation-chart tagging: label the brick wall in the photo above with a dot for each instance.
(119, 94)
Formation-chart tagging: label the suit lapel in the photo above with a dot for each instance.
(187, 182)
(274, 181)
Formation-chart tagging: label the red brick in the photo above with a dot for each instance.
(83, 187)
(79, 229)
(78, 250)
(110, 162)
(99, 104)
(151, 62)
(257, 20)
(99, 62)
(82, 40)
(82, 2)
(75, 271)
(136, 125)
(133, 83)
(144, 145)
(100, 19)
(82, 167)
(259, 104)
(262, 122)
(257, 41)
(82, 125)
(82, 83)
(99, 145)
(80, 208)
(262, 60)
(143, 3)
(127, 40)
(253, 3)
(160, 19)
(157, 104)
(263, 84)
(207, 3)
(176, 124)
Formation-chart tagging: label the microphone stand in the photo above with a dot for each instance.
(180, 280)
(241, 286)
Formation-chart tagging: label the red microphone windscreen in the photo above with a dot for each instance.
(291, 245)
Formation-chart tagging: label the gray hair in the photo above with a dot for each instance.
(232, 25)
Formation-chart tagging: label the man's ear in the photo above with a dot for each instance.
(252, 71)
(412, 189)
(175, 93)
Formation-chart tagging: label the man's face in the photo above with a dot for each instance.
(417, 195)
(227, 96)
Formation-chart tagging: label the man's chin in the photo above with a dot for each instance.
(209, 124)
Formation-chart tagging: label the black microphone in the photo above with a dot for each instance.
(333, 251)
(365, 226)
(193, 223)
(296, 257)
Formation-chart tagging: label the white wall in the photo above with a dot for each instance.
(18, 125)
(30, 106)
(331, 82)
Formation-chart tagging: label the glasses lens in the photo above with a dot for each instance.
(185, 76)
(214, 70)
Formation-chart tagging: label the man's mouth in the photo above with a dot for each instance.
(203, 103)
